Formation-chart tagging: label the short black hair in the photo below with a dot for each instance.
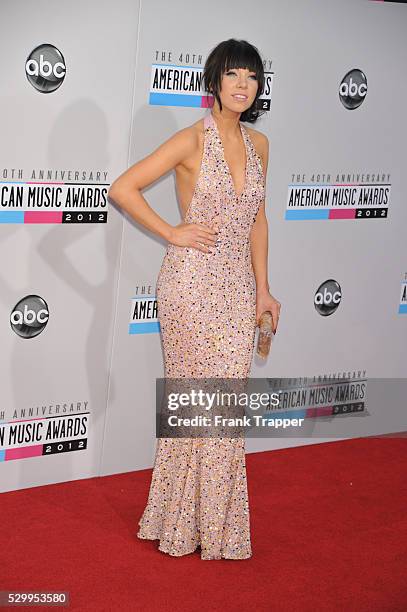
(229, 54)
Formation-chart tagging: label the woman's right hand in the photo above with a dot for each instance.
(196, 235)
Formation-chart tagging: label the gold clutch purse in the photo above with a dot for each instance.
(265, 334)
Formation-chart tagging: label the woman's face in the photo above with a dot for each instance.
(238, 89)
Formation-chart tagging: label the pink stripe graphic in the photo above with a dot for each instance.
(320, 411)
(42, 217)
(207, 102)
(22, 453)
(342, 214)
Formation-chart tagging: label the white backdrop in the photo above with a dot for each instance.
(83, 389)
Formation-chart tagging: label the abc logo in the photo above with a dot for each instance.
(353, 89)
(29, 317)
(45, 68)
(327, 297)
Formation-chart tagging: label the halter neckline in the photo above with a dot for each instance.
(244, 136)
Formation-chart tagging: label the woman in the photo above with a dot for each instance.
(211, 290)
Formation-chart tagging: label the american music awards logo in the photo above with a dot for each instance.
(53, 197)
(344, 195)
(176, 80)
(143, 312)
(46, 429)
(326, 395)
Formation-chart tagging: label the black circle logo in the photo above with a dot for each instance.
(29, 316)
(327, 297)
(45, 68)
(353, 89)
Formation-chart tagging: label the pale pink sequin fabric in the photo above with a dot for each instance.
(206, 307)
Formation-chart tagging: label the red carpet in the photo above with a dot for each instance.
(329, 532)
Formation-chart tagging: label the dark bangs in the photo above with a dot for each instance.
(229, 54)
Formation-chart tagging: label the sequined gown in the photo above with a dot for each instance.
(206, 307)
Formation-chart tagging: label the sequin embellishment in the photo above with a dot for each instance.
(206, 307)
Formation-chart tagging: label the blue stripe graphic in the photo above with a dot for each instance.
(169, 99)
(294, 414)
(11, 216)
(293, 215)
(147, 327)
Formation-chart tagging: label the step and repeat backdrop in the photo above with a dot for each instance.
(94, 87)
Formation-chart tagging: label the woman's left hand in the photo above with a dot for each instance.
(265, 301)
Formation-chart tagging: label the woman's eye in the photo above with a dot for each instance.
(252, 76)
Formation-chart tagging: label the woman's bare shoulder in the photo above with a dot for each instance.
(261, 145)
(195, 131)
(179, 151)
(191, 137)
(259, 139)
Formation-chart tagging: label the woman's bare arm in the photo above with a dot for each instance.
(126, 190)
(259, 231)
(259, 253)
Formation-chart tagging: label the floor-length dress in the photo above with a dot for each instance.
(206, 307)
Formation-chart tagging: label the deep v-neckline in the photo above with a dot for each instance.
(237, 196)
